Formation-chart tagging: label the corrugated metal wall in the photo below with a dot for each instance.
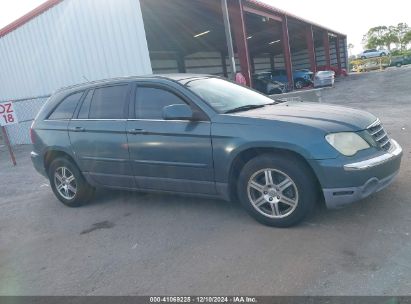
(71, 42)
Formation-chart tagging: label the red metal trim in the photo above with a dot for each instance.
(337, 49)
(261, 13)
(326, 44)
(235, 10)
(27, 17)
(287, 53)
(311, 48)
(284, 13)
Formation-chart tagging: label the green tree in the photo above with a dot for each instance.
(383, 36)
(407, 38)
(375, 37)
(401, 32)
(350, 47)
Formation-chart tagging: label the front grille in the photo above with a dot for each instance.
(377, 131)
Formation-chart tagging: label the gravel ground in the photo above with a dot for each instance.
(133, 244)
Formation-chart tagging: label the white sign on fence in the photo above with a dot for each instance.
(7, 114)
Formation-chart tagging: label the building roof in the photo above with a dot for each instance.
(29, 16)
(50, 3)
(265, 6)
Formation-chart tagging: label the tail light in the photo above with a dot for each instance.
(32, 135)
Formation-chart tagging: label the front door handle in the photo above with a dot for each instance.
(136, 131)
(77, 129)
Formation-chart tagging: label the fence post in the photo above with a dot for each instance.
(7, 142)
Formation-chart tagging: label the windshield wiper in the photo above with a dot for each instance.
(244, 108)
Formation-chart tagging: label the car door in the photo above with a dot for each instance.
(169, 155)
(373, 53)
(98, 136)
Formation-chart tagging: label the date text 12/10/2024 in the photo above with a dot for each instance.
(203, 299)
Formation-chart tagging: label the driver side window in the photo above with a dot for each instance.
(150, 102)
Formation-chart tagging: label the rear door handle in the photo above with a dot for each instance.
(136, 131)
(77, 129)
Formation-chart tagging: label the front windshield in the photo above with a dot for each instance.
(224, 96)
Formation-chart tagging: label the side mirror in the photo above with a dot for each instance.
(178, 112)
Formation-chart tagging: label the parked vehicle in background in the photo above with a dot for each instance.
(302, 78)
(371, 53)
(373, 65)
(267, 86)
(399, 61)
(324, 79)
(335, 69)
(203, 135)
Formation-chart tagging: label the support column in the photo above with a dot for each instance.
(272, 62)
(236, 13)
(347, 64)
(224, 64)
(287, 53)
(181, 64)
(311, 48)
(326, 44)
(229, 39)
(337, 49)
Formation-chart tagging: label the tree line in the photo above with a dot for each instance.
(386, 36)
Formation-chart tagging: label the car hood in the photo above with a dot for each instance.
(328, 117)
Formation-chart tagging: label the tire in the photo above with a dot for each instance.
(300, 194)
(383, 54)
(299, 84)
(75, 190)
(398, 65)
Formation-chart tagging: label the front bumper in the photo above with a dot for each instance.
(372, 170)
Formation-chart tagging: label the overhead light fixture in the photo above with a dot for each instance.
(275, 41)
(249, 37)
(201, 34)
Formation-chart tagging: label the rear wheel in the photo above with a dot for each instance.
(299, 84)
(68, 184)
(276, 190)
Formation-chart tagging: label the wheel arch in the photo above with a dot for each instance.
(246, 155)
(54, 153)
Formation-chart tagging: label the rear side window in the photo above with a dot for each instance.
(151, 101)
(85, 107)
(109, 102)
(66, 108)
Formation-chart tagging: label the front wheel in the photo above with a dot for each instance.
(68, 184)
(299, 84)
(277, 190)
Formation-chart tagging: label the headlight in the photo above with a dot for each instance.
(347, 143)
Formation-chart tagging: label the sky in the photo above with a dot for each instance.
(350, 17)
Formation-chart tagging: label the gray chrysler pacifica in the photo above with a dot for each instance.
(202, 135)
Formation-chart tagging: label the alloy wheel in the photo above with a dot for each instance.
(65, 183)
(272, 193)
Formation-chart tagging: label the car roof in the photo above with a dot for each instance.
(177, 77)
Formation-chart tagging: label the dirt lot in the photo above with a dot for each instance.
(132, 244)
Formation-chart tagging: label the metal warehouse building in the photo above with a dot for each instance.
(64, 42)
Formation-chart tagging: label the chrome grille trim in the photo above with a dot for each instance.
(377, 132)
(375, 123)
(382, 136)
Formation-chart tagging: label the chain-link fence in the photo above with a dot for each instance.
(26, 110)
